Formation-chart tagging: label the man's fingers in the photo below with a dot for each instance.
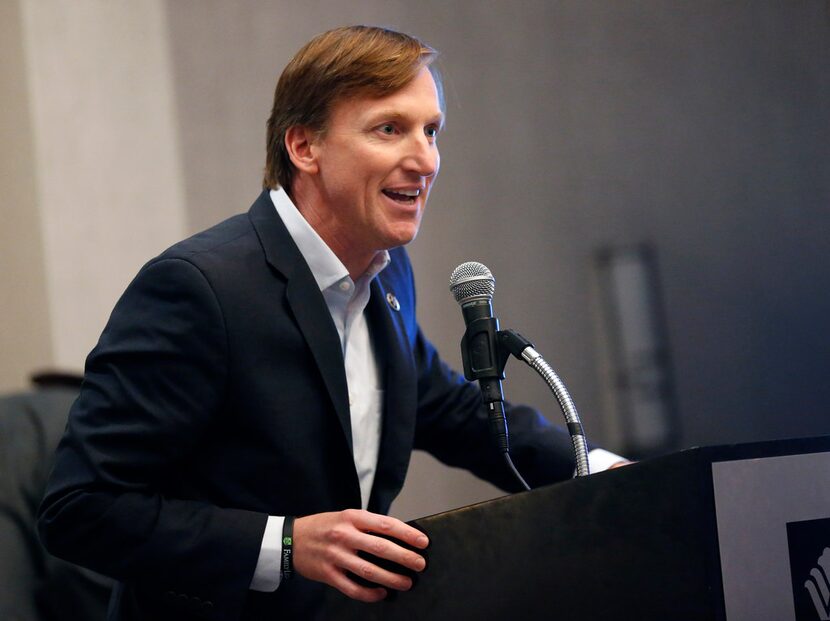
(389, 527)
(353, 590)
(389, 550)
(371, 572)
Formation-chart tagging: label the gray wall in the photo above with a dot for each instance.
(25, 339)
(701, 127)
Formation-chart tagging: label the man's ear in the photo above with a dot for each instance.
(298, 142)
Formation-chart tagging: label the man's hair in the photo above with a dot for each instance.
(344, 62)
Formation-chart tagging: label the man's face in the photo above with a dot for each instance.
(377, 160)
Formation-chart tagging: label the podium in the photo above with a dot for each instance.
(724, 533)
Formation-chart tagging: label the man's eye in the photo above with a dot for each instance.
(431, 132)
(387, 129)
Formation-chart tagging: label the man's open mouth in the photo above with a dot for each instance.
(403, 196)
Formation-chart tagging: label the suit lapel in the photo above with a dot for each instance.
(391, 345)
(400, 394)
(307, 304)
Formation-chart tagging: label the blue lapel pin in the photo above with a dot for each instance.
(393, 301)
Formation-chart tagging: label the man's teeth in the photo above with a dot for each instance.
(408, 193)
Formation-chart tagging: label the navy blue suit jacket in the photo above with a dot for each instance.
(217, 396)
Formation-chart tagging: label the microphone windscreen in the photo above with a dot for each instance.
(472, 280)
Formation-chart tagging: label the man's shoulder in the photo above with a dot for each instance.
(221, 238)
(234, 240)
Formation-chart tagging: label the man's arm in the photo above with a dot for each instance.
(152, 386)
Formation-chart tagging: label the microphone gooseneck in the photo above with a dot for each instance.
(523, 349)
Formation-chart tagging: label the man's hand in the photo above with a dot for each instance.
(326, 547)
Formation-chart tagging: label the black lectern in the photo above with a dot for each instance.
(706, 533)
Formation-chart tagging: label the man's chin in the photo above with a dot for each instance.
(402, 240)
(400, 235)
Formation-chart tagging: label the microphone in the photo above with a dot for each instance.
(473, 286)
(485, 349)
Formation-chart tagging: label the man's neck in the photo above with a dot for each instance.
(356, 260)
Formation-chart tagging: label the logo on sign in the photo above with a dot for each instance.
(818, 586)
(809, 545)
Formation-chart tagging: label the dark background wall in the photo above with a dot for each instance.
(699, 127)
(702, 128)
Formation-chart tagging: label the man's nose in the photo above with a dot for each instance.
(423, 156)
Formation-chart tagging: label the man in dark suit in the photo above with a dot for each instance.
(272, 366)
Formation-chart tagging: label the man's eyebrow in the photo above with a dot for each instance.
(395, 115)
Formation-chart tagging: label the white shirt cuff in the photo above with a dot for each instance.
(267, 574)
(600, 459)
